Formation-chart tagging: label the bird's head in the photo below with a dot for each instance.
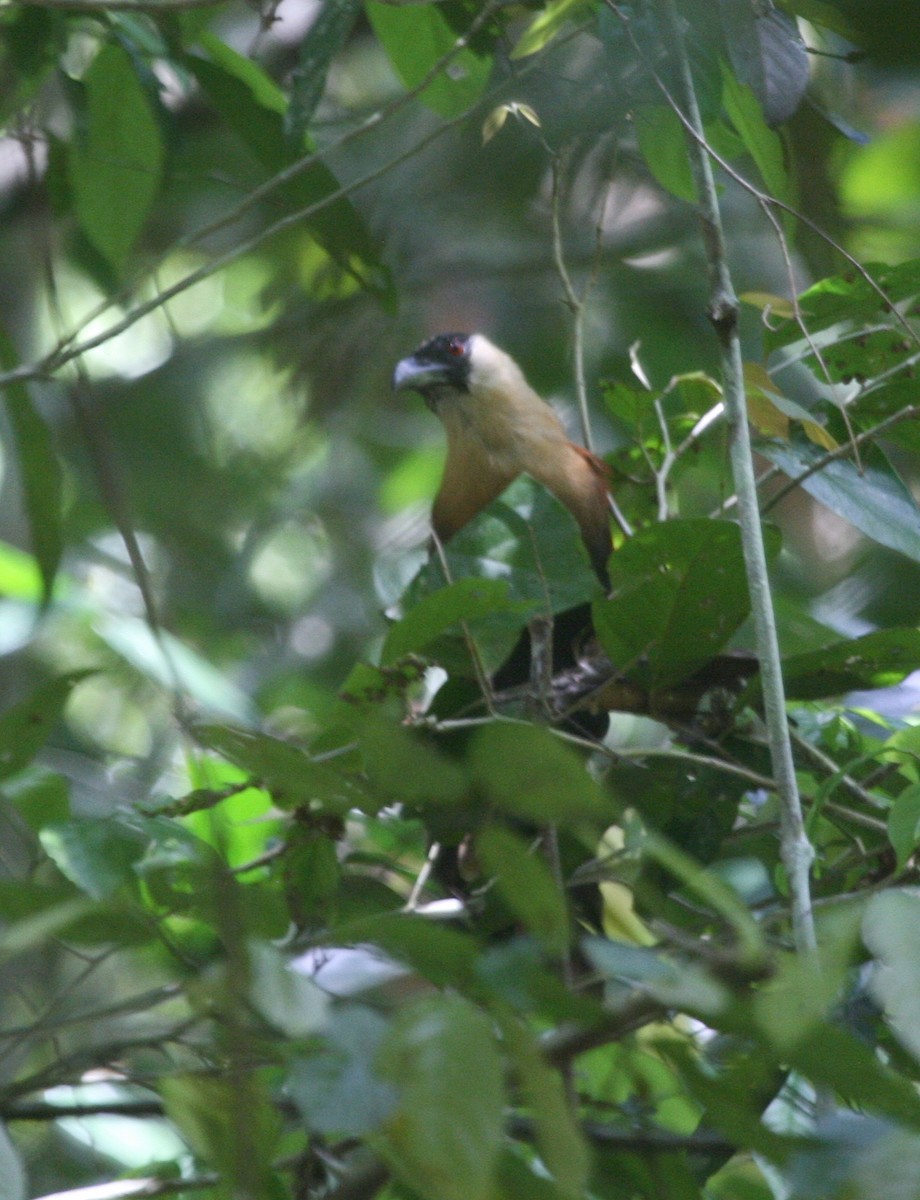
(438, 369)
(458, 366)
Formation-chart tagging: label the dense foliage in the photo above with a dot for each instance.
(292, 904)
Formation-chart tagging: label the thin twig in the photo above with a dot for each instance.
(904, 414)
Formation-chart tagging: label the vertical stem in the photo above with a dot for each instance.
(795, 848)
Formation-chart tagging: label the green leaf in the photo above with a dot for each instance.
(528, 540)
(526, 884)
(39, 469)
(874, 500)
(444, 1137)
(663, 144)
(763, 145)
(769, 55)
(847, 298)
(253, 108)
(35, 930)
(890, 932)
(545, 25)
(855, 1157)
(679, 593)
(285, 997)
(116, 160)
(872, 661)
(97, 854)
(835, 1059)
(39, 796)
(401, 765)
(464, 600)
(287, 771)
(444, 956)
(904, 824)
(26, 726)
(415, 39)
(675, 985)
(324, 39)
(559, 1140)
(228, 1122)
(863, 356)
(529, 772)
(336, 1088)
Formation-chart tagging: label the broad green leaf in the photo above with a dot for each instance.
(324, 39)
(35, 930)
(904, 824)
(445, 1136)
(679, 593)
(767, 302)
(97, 854)
(402, 765)
(519, 1181)
(464, 600)
(559, 1141)
(875, 660)
(763, 145)
(516, 973)
(835, 1059)
(230, 1123)
(39, 796)
(855, 1157)
(285, 770)
(336, 1088)
(26, 726)
(874, 500)
(714, 892)
(768, 54)
(890, 932)
(528, 540)
(286, 998)
(525, 882)
(253, 108)
(527, 771)
(848, 298)
(863, 356)
(30, 43)
(676, 985)
(444, 956)
(116, 156)
(416, 39)
(663, 144)
(546, 24)
(39, 470)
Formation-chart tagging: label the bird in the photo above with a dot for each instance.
(498, 428)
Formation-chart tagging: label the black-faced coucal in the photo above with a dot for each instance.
(497, 429)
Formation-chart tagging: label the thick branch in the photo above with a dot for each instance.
(796, 850)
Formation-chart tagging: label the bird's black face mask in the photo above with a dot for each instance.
(437, 368)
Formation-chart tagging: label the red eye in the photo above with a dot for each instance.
(456, 348)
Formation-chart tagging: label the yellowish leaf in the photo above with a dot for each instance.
(769, 304)
(819, 435)
(545, 25)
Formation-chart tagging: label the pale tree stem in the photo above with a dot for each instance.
(795, 849)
